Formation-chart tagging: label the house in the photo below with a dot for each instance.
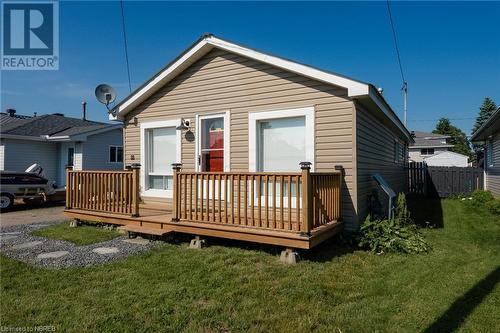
(435, 150)
(55, 141)
(233, 115)
(489, 134)
(448, 159)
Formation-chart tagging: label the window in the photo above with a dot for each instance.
(161, 154)
(115, 154)
(427, 151)
(279, 140)
(281, 144)
(489, 154)
(71, 156)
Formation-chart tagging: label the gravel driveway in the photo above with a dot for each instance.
(16, 242)
(26, 214)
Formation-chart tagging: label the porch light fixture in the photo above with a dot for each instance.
(184, 125)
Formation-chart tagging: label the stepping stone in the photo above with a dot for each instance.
(27, 245)
(52, 255)
(138, 240)
(4, 238)
(10, 233)
(105, 250)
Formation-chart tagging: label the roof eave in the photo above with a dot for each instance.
(480, 134)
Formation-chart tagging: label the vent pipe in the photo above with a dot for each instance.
(11, 112)
(84, 110)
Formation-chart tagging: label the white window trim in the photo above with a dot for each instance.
(254, 117)
(227, 138)
(144, 164)
(116, 153)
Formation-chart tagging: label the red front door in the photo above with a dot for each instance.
(212, 144)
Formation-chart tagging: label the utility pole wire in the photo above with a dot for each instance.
(126, 47)
(395, 42)
(404, 88)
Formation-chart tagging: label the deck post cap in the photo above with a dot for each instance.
(176, 166)
(69, 167)
(305, 165)
(135, 166)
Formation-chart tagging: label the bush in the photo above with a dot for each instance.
(494, 206)
(481, 197)
(398, 234)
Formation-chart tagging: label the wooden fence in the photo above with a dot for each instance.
(278, 201)
(443, 181)
(105, 191)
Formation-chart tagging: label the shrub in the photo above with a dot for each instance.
(494, 206)
(398, 234)
(481, 197)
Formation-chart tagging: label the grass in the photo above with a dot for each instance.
(83, 235)
(239, 287)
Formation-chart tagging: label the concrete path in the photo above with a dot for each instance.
(18, 243)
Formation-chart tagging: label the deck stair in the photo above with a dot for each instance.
(138, 229)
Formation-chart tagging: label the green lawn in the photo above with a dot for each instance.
(83, 235)
(241, 288)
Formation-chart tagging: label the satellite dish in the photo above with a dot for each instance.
(105, 94)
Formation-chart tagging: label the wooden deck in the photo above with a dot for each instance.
(254, 207)
(159, 222)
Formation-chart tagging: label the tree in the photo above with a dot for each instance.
(458, 138)
(485, 111)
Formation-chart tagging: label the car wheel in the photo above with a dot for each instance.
(6, 201)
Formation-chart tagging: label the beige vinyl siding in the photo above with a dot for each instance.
(493, 173)
(221, 82)
(375, 154)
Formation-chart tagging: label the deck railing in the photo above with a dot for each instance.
(104, 191)
(297, 201)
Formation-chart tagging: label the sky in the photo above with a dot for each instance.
(450, 51)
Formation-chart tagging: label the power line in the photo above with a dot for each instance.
(416, 120)
(126, 47)
(404, 88)
(396, 42)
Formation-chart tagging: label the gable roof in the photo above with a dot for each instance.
(490, 127)
(446, 153)
(430, 140)
(355, 88)
(49, 127)
(429, 135)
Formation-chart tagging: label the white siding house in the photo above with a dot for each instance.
(448, 158)
(55, 141)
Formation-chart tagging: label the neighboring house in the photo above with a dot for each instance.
(489, 134)
(248, 111)
(55, 141)
(435, 150)
(448, 159)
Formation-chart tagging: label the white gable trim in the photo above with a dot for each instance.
(354, 88)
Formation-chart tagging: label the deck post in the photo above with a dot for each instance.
(135, 188)
(69, 186)
(176, 167)
(342, 174)
(307, 209)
